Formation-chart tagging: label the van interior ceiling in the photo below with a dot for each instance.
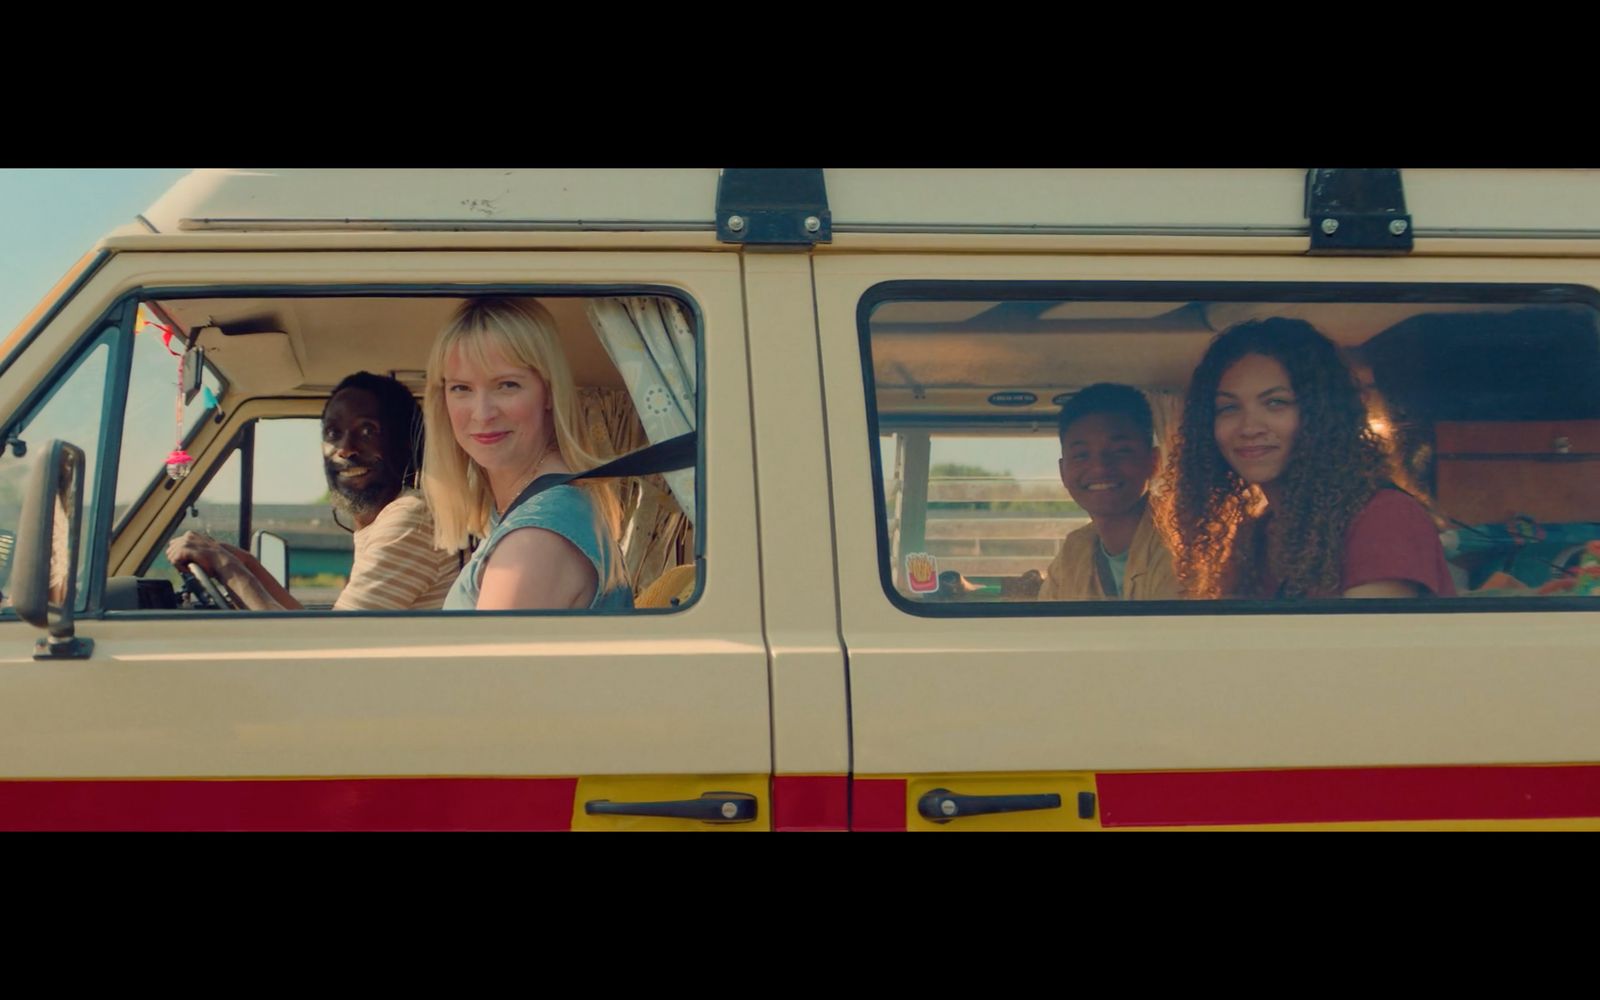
(306, 345)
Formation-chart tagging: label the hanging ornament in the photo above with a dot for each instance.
(178, 464)
(178, 461)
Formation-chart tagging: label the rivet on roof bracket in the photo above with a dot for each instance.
(775, 207)
(1357, 211)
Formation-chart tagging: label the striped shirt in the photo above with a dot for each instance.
(396, 567)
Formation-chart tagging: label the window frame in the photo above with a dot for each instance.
(1331, 292)
(453, 290)
(113, 327)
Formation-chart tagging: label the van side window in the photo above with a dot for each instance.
(150, 429)
(1043, 449)
(71, 413)
(635, 366)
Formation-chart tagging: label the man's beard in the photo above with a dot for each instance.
(365, 501)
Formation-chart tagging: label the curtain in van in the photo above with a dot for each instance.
(651, 342)
(656, 534)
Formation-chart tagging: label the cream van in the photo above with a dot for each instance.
(871, 363)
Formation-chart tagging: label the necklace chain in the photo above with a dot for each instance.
(534, 473)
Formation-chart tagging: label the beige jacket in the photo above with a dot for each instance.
(1148, 576)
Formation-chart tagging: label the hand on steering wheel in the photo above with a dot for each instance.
(215, 595)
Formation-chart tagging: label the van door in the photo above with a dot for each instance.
(386, 720)
(810, 737)
(974, 707)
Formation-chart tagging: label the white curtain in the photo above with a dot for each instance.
(651, 342)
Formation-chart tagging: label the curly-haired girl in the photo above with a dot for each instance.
(1278, 486)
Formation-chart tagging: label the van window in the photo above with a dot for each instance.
(71, 413)
(1471, 433)
(635, 365)
(152, 427)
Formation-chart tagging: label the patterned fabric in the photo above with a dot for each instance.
(396, 567)
(656, 534)
(652, 344)
(1522, 553)
(1584, 579)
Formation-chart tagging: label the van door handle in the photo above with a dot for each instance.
(942, 805)
(711, 807)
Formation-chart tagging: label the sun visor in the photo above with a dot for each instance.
(256, 363)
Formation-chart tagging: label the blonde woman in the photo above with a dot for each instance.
(501, 411)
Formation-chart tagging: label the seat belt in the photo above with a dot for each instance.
(664, 456)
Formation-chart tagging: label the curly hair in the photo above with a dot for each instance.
(1336, 464)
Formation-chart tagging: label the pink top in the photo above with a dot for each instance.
(1393, 538)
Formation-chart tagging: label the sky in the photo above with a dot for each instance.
(50, 218)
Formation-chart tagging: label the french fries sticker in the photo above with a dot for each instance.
(922, 573)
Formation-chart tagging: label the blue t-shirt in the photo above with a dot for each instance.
(564, 510)
(1118, 564)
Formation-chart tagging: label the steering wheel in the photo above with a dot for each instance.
(213, 594)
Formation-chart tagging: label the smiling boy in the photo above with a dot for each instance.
(1108, 457)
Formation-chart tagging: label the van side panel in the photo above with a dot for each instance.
(1527, 797)
(1041, 704)
(800, 603)
(397, 720)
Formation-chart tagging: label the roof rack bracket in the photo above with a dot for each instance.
(785, 207)
(1357, 212)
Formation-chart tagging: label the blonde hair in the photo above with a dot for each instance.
(456, 487)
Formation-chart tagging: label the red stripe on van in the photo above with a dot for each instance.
(1347, 795)
(810, 802)
(289, 804)
(878, 804)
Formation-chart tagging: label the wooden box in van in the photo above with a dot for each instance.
(1489, 472)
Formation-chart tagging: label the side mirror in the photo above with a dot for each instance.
(44, 580)
(272, 552)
